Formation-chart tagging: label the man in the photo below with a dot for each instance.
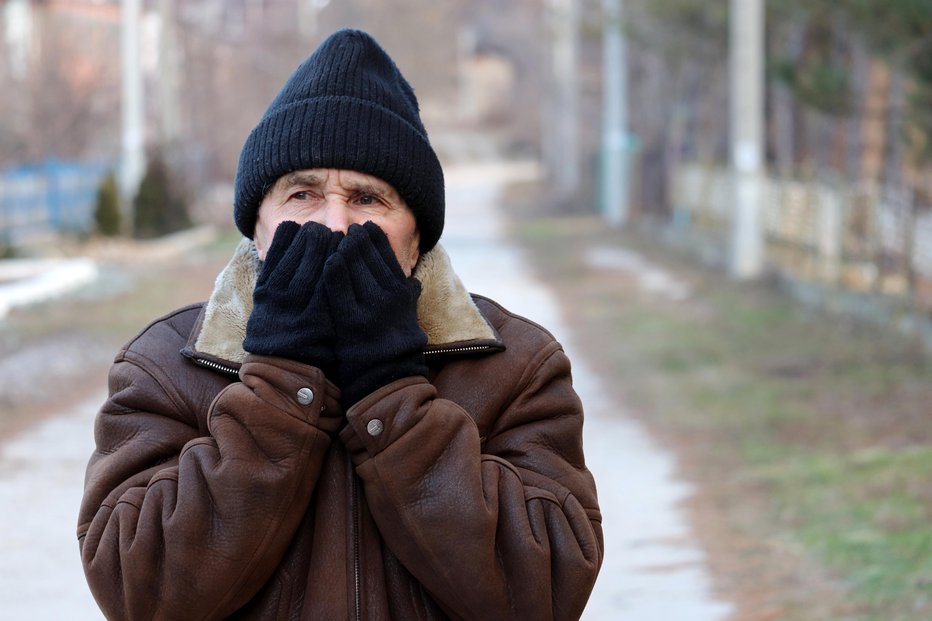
(341, 431)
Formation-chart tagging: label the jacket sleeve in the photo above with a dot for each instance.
(505, 528)
(176, 524)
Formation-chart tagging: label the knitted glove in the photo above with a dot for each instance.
(289, 318)
(373, 306)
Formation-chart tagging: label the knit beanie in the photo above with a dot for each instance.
(347, 106)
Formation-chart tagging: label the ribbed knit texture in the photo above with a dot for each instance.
(289, 318)
(347, 106)
(373, 306)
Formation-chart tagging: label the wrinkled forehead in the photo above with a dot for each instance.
(351, 180)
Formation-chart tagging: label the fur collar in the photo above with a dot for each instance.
(445, 310)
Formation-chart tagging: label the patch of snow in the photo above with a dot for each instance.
(27, 281)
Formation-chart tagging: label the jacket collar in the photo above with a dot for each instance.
(445, 310)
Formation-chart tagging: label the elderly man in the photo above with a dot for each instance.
(341, 431)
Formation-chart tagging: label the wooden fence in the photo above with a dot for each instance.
(861, 238)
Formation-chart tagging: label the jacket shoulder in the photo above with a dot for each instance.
(513, 328)
(168, 333)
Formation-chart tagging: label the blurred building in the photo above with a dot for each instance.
(58, 82)
(211, 67)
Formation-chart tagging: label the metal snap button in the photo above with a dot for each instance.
(375, 428)
(305, 396)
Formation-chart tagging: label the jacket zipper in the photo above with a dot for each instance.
(457, 350)
(216, 366)
(356, 528)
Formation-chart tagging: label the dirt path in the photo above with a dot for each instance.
(53, 378)
(41, 478)
(654, 569)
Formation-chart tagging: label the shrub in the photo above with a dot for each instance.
(107, 217)
(160, 207)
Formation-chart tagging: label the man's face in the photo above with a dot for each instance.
(337, 198)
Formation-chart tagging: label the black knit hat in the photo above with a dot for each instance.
(347, 106)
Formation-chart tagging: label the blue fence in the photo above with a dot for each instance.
(54, 196)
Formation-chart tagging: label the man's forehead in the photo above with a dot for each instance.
(345, 177)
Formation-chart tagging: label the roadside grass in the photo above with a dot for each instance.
(819, 428)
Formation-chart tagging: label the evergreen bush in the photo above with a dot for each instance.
(107, 217)
(160, 207)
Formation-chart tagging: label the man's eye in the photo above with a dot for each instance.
(301, 196)
(367, 199)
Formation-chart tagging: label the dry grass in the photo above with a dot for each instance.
(809, 435)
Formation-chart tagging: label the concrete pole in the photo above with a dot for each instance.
(133, 160)
(169, 78)
(747, 131)
(467, 106)
(564, 150)
(309, 15)
(307, 18)
(614, 180)
(17, 18)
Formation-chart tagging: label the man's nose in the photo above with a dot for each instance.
(336, 215)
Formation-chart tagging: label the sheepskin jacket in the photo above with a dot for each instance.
(232, 485)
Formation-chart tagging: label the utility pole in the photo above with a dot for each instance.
(168, 84)
(18, 20)
(561, 140)
(614, 179)
(307, 18)
(133, 160)
(747, 131)
(308, 11)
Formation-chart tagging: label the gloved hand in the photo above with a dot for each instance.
(289, 318)
(373, 306)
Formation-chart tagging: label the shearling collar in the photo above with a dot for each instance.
(445, 310)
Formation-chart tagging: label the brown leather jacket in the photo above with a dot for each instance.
(228, 485)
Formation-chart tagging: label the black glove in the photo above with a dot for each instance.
(373, 306)
(289, 318)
